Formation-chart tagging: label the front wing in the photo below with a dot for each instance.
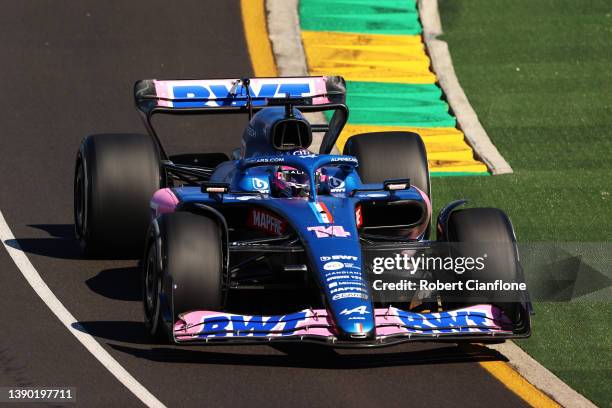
(481, 322)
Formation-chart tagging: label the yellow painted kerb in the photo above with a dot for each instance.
(256, 33)
(517, 384)
(368, 57)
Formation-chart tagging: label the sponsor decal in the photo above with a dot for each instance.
(346, 159)
(246, 198)
(206, 91)
(266, 221)
(359, 309)
(376, 195)
(274, 160)
(359, 327)
(322, 212)
(337, 277)
(358, 216)
(350, 295)
(202, 324)
(322, 231)
(445, 322)
(336, 185)
(348, 287)
(339, 257)
(333, 275)
(224, 325)
(302, 152)
(290, 171)
(260, 184)
(333, 266)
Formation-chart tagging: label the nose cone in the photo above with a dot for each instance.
(355, 320)
(347, 291)
(336, 259)
(329, 232)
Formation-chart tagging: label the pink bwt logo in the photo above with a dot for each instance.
(322, 231)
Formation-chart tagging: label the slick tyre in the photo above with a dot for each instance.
(184, 269)
(480, 231)
(390, 155)
(115, 178)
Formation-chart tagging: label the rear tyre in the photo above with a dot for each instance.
(480, 231)
(390, 155)
(115, 178)
(184, 270)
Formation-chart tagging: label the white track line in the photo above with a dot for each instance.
(541, 377)
(86, 339)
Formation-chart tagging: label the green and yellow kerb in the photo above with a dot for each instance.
(376, 45)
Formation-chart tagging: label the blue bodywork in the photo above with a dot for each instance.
(322, 203)
(333, 247)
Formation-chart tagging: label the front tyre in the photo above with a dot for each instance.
(184, 270)
(480, 231)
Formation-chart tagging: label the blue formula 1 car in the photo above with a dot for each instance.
(277, 216)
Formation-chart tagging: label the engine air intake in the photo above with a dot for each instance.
(290, 134)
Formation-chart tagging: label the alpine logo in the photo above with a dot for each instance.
(360, 309)
(266, 221)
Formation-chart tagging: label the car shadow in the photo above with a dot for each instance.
(121, 331)
(61, 243)
(297, 355)
(318, 357)
(105, 284)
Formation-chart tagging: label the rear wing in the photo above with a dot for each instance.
(232, 94)
(204, 96)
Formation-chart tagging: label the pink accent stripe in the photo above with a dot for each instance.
(163, 201)
(320, 88)
(421, 229)
(161, 89)
(389, 322)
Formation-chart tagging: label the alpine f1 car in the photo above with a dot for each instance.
(211, 226)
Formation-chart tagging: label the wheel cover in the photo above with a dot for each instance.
(79, 200)
(152, 284)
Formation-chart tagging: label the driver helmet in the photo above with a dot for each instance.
(290, 182)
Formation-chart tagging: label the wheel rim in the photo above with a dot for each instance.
(79, 200)
(151, 283)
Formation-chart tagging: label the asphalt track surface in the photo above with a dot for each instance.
(67, 71)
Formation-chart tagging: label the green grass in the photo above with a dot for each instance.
(539, 75)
